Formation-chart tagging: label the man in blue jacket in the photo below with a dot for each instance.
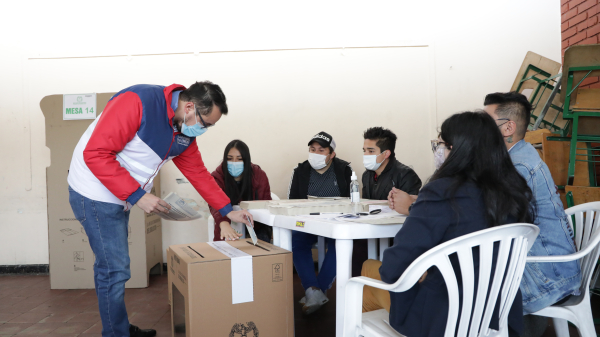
(543, 284)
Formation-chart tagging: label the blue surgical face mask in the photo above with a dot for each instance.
(194, 130)
(235, 168)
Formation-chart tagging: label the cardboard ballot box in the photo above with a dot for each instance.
(231, 288)
(71, 257)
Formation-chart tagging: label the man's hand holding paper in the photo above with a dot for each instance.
(240, 216)
(153, 204)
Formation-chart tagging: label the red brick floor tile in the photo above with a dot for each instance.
(17, 307)
(26, 292)
(12, 300)
(78, 292)
(7, 317)
(59, 318)
(91, 308)
(53, 307)
(94, 329)
(6, 308)
(86, 317)
(144, 319)
(72, 328)
(30, 317)
(163, 332)
(35, 300)
(13, 328)
(40, 329)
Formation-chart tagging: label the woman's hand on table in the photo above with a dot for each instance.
(228, 233)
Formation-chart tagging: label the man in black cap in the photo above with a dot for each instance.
(322, 175)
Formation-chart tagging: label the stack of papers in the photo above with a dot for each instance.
(181, 209)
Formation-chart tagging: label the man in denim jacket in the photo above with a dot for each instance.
(543, 284)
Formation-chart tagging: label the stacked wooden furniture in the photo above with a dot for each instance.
(565, 124)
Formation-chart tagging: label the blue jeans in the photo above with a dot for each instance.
(303, 261)
(106, 227)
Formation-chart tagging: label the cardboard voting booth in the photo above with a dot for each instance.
(231, 288)
(71, 257)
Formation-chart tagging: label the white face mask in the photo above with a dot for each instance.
(439, 157)
(317, 161)
(370, 162)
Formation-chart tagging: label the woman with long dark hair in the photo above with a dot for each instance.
(241, 181)
(476, 186)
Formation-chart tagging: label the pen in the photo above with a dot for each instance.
(322, 213)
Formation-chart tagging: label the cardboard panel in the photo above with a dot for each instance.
(539, 61)
(579, 56)
(584, 194)
(556, 156)
(535, 137)
(71, 258)
(587, 99)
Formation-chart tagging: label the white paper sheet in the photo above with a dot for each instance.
(242, 282)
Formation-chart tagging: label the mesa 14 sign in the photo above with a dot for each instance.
(79, 106)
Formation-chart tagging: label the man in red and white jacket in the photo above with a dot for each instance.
(113, 168)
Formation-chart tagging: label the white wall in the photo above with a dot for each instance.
(466, 49)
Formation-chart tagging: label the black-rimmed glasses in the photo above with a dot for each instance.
(503, 119)
(204, 124)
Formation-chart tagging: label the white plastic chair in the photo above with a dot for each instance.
(521, 236)
(238, 226)
(577, 309)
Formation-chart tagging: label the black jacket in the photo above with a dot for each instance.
(434, 219)
(396, 175)
(298, 188)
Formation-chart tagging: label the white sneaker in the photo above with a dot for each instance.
(314, 300)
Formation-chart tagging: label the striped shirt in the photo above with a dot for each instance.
(323, 185)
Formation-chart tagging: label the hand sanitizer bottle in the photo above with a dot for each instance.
(354, 194)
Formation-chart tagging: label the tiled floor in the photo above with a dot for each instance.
(29, 307)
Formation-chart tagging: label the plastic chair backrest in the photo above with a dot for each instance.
(587, 231)
(514, 241)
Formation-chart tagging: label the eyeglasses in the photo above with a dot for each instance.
(202, 120)
(503, 119)
(435, 144)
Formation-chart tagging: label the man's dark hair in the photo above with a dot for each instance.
(513, 106)
(386, 139)
(204, 95)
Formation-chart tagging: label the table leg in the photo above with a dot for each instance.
(372, 249)
(343, 252)
(384, 243)
(285, 238)
(276, 237)
(321, 251)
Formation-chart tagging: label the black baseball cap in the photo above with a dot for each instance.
(324, 139)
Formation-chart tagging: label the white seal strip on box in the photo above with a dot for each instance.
(242, 282)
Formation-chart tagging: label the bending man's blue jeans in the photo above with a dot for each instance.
(106, 227)
(303, 261)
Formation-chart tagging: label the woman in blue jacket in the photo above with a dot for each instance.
(475, 187)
